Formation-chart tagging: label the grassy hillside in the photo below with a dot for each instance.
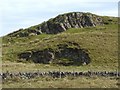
(101, 42)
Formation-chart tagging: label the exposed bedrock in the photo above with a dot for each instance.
(64, 55)
(62, 23)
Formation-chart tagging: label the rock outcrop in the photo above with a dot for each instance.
(62, 23)
(65, 55)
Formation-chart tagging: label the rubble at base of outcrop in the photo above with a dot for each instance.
(62, 23)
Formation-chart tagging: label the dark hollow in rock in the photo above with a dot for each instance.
(72, 56)
(43, 56)
(64, 55)
(25, 55)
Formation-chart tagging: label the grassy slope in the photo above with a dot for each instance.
(100, 41)
(101, 44)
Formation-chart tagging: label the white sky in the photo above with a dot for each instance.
(16, 14)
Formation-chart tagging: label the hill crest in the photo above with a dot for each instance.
(61, 23)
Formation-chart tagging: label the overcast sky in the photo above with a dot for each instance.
(16, 14)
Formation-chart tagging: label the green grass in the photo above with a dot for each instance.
(101, 44)
(100, 41)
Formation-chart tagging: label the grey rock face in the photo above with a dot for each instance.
(62, 23)
(71, 20)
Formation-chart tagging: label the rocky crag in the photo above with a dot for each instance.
(61, 23)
